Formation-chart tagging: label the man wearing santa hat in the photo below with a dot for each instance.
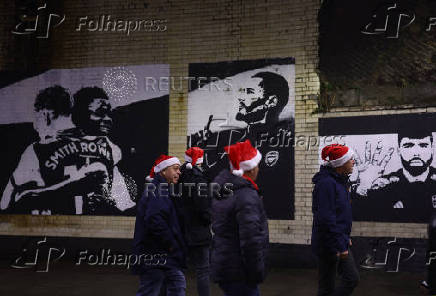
(158, 240)
(194, 208)
(332, 219)
(239, 224)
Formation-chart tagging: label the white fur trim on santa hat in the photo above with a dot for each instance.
(189, 166)
(149, 178)
(166, 163)
(189, 159)
(247, 165)
(342, 160)
(236, 172)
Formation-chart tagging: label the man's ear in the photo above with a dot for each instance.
(47, 117)
(272, 101)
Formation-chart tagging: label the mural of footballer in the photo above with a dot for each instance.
(72, 170)
(405, 195)
(261, 100)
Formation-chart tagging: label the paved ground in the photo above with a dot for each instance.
(68, 280)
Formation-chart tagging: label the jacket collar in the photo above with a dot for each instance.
(340, 178)
(251, 182)
(158, 179)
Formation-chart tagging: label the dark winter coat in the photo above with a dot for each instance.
(332, 216)
(194, 207)
(157, 231)
(240, 228)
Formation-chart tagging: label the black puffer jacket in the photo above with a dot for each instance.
(158, 239)
(240, 228)
(194, 207)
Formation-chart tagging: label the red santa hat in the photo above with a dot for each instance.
(161, 163)
(193, 156)
(336, 155)
(243, 157)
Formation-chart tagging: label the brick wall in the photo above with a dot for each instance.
(197, 31)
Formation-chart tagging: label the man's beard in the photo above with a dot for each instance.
(247, 114)
(95, 129)
(252, 117)
(416, 170)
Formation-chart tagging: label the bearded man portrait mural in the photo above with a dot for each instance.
(248, 100)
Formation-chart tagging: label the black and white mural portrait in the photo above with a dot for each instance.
(394, 179)
(254, 99)
(77, 141)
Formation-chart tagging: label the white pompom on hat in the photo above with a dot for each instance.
(193, 156)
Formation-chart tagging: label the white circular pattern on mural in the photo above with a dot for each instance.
(120, 83)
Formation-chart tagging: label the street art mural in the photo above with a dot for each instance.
(77, 140)
(394, 179)
(254, 99)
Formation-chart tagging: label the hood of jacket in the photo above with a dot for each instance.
(194, 171)
(226, 180)
(158, 179)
